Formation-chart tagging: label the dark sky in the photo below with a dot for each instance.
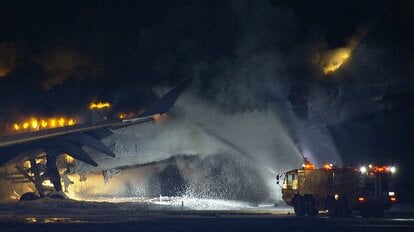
(58, 56)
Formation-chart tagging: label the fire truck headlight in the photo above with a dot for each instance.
(363, 169)
(391, 194)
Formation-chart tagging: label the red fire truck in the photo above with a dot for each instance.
(339, 190)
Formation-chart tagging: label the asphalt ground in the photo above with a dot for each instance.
(73, 216)
(216, 222)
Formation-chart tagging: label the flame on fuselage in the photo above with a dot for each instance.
(158, 118)
(35, 124)
(99, 105)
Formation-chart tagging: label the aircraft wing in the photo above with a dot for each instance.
(70, 140)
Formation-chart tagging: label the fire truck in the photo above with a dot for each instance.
(339, 190)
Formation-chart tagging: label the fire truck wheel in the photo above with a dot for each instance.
(310, 207)
(344, 211)
(57, 195)
(332, 207)
(298, 206)
(365, 212)
(378, 213)
(29, 196)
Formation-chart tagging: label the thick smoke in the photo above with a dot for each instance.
(8, 58)
(62, 64)
(239, 153)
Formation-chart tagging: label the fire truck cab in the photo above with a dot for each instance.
(339, 190)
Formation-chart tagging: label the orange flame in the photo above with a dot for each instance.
(35, 124)
(333, 59)
(99, 105)
(158, 118)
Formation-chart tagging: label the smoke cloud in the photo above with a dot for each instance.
(8, 58)
(62, 64)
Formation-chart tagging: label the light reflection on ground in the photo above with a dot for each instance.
(189, 203)
(110, 209)
(52, 220)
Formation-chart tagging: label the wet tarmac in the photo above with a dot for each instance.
(172, 215)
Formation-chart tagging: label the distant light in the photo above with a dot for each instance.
(392, 169)
(393, 199)
(363, 169)
(361, 199)
(391, 194)
(336, 197)
(370, 166)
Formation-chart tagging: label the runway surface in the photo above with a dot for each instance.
(181, 214)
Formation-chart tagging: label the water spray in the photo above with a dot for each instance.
(235, 147)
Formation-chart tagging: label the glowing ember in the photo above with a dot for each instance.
(126, 115)
(71, 122)
(160, 118)
(35, 124)
(69, 159)
(99, 105)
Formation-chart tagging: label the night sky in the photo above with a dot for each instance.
(57, 57)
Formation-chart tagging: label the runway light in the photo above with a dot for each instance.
(391, 194)
(393, 199)
(361, 199)
(336, 197)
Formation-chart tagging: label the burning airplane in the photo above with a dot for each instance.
(46, 148)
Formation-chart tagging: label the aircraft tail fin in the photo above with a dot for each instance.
(164, 104)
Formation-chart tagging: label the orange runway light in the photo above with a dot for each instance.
(393, 199)
(361, 199)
